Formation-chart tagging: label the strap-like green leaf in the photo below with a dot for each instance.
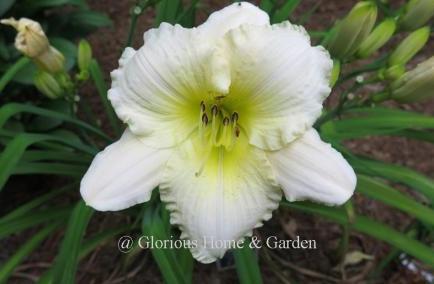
(16, 147)
(12, 109)
(395, 173)
(34, 203)
(101, 86)
(247, 266)
(18, 224)
(166, 259)
(380, 191)
(12, 262)
(66, 261)
(370, 227)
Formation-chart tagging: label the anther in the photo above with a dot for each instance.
(204, 119)
(225, 121)
(237, 131)
(234, 117)
(202, 106)
(214, 110)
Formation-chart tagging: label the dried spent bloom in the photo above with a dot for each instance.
(220, 118)
(415, 85)
(32, 42)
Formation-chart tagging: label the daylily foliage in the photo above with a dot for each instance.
(220, 119)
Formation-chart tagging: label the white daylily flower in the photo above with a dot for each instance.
(220, 118)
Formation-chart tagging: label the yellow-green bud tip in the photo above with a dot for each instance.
(411, 45)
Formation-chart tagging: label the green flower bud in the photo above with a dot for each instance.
(353, 30)
(416, 14)
(394, 72)
(409, 47)
(379, 36)
(84, 55)
(335, 72)
(47, 85)
(415, 85)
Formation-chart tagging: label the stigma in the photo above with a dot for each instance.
(218, 127)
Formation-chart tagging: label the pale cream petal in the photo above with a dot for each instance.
(233, 16)
(157, 89)
(310, 169)
(122, 175)
(278, 81)
(234, 193)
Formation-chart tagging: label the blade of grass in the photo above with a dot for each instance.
(370, 227)
(247, 266)
(66, 261)
(9, 266)
(101, 86)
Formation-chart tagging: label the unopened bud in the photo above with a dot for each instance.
(416, 14)
(353, 30)
(394, 72)
(409, 47)
(47, 85)
(379, 36)
(335, 72)
(415, 85)
(84, 55)
(32, 42)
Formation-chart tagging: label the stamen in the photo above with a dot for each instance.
(205, 119)
(234, 116)
(237, 131)
(214, 110)
(225, 121)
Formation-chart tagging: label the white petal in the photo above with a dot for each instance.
(235, 193)
(157, 90)
(278, 81)
(233, 16)
(122, 175)
(310, 169)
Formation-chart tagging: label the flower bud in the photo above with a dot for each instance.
(32, 42)
(409, 47)
(84, 55)
(379, 36)
(353, 30)
(415, 85)
(47, 85)
(416, 14)
(393, 73)
(335, 72)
